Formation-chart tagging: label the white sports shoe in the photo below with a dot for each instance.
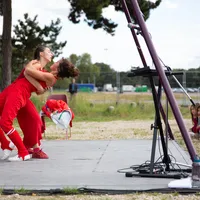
(7, 152)
(17, 158)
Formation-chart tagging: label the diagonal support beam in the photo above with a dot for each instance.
(164, 80)
(132, 27)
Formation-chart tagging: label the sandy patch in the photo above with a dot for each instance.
(111, 130)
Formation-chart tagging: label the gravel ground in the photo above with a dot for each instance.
(147, 196)
(110, 130)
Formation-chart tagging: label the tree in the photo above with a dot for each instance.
(88, 70)
(101, 73)
(93, 17)
(6, 48)
(107, 75)
(28, 34)
(74, 59)
(92, 9)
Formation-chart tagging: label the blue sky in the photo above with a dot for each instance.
(174, 27)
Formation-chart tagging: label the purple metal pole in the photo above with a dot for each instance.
(128, 17)
(164, 81)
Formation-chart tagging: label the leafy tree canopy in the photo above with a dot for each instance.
(92, 9)
(87, 68)
(28, 34)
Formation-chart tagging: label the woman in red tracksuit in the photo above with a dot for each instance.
(12, 99)
(15, 97)
(28, 117)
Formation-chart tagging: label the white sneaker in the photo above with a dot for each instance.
(17, 158)
(7, 152)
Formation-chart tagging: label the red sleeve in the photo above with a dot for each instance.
(70, 123)
(54, 105)
(62, 105)
(46, 111)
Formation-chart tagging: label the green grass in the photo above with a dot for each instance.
(70, 191)
(22, 191)
(94, 106)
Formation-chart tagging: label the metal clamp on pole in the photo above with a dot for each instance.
(131, 25)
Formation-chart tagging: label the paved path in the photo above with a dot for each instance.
(88, 164)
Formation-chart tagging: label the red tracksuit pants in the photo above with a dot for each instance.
(30, 124)
(12, 99)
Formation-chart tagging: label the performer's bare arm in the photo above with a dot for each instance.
(32, 69)
(33, 81)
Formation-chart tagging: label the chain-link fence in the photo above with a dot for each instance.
(119, 81)
(182, 84)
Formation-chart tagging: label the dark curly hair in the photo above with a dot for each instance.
(67, 69)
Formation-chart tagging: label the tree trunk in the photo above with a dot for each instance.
(6, 43)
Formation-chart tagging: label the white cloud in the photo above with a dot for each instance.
(170, 4)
